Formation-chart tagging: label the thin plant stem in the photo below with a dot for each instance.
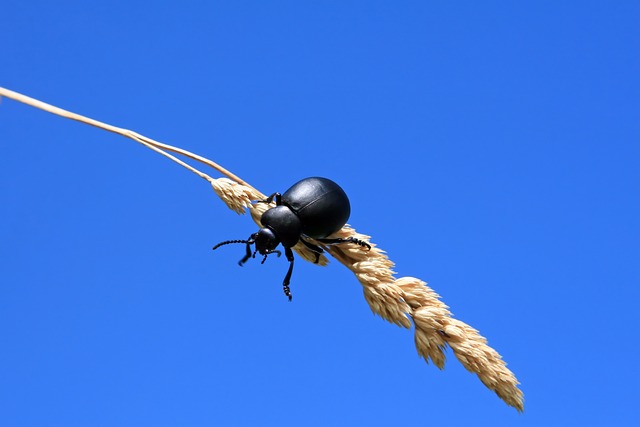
(146, 141)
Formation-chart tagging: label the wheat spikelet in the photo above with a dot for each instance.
(396, 300)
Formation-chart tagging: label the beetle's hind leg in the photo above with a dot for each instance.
(313, 248)
(345, 240)
(285, 284)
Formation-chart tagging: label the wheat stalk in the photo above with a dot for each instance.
(397, 300)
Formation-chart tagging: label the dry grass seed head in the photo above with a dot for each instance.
(394, 299)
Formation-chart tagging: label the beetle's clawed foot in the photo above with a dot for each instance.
(443, 334)
(269, 200)
(361, 243)
(287, 292)
(358, 242)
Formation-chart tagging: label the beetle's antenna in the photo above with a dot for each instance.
(248, 242)
(227, 242)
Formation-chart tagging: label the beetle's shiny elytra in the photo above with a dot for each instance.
(313, 207)
(322, 206)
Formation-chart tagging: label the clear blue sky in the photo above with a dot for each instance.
(491, 148)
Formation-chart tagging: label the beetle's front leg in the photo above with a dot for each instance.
(269, 199)
(285, 285)
(250, 242)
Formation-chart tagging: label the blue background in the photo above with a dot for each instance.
(491, 148)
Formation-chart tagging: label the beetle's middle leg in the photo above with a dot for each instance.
(313, 248)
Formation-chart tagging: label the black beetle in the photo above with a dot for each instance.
(313, 207)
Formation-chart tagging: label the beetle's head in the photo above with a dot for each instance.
(266, 241)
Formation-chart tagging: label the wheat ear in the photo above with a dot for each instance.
(396, 300)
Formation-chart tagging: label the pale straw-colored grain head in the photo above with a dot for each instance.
(401, 301)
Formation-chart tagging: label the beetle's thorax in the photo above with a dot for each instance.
(284, 223)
